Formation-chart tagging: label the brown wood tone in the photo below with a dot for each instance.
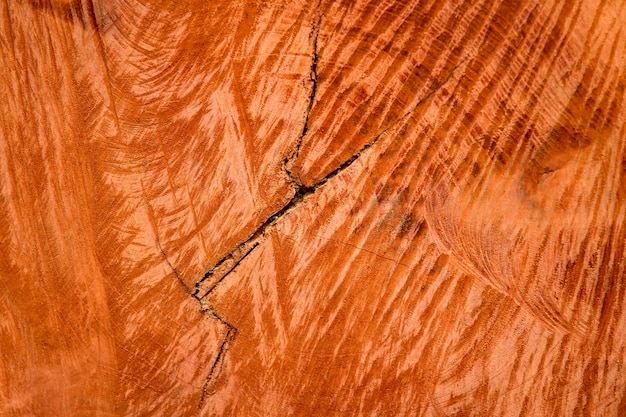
(323, 208)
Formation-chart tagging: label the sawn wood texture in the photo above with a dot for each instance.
(322, 208)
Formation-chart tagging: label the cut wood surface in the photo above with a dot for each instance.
(323, 208)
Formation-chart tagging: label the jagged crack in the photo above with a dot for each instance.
(314, 35)
(216, 368)
(302, 191)
(245, 248)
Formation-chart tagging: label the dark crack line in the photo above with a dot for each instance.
(315, 31)
(297, 198)
(303, 191)
(209, 386)
(245, 255)
(216, 369)
(231, 333)
(300, 190)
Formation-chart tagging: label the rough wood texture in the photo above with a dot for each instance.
(351, 208)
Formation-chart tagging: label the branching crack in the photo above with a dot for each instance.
(233, 260)
(301, 191)
(225, 266)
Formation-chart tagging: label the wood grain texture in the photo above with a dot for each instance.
(350, 208)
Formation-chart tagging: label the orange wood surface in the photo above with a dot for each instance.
(322, 208)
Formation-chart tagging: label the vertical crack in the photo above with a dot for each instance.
(314, 35)
(216, 369)
(231, 331)
(251, 243)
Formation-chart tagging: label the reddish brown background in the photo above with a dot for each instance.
(350, 208)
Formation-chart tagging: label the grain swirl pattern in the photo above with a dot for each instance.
(313, 208)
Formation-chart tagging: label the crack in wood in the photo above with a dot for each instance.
(235, 257)
(216, 369)
(246, 247)
(301, 192)
(314, 34)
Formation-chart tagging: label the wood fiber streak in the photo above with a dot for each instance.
(323, 208)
